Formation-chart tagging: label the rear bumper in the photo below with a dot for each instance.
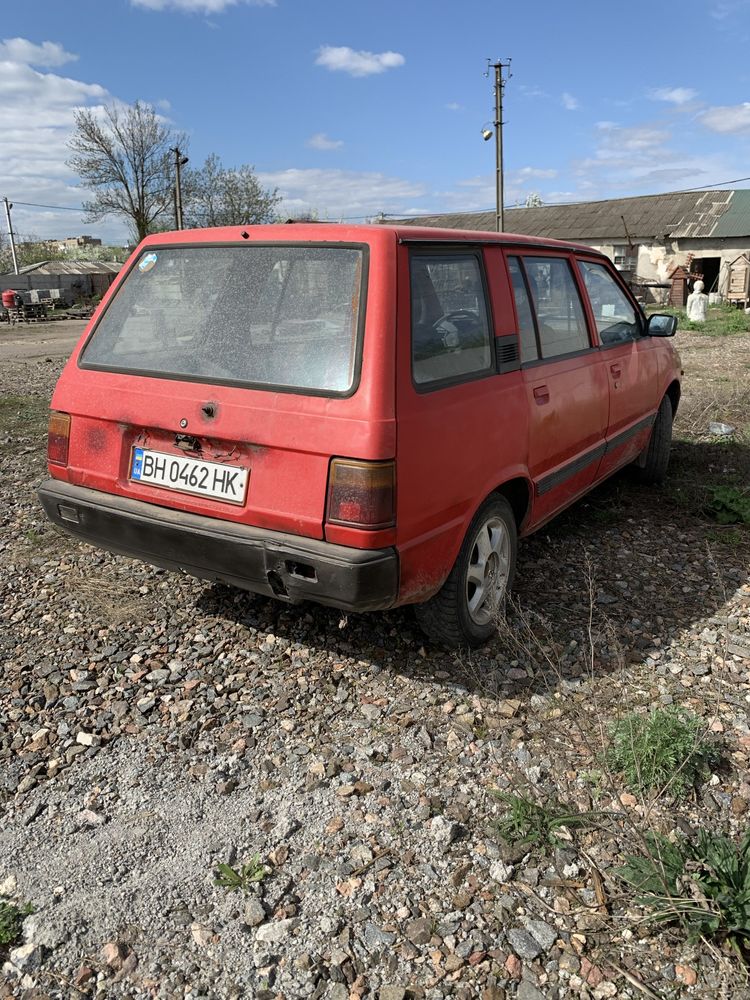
(288, 567)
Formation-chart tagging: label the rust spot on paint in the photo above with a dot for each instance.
(96, 439)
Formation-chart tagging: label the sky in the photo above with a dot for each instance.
(355, 107)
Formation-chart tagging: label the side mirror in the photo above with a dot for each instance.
(661, 325)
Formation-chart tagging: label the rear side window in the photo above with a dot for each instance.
(280, 316)
(450, 330)
(616, 319)
(559, 313)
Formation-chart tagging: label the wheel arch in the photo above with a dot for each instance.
(517, 492)
(674, 391)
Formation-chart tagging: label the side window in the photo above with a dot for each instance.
(526, 327)
(559, 313)
(616, 319)
(450, 330)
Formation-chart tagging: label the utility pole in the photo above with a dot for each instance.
(8, 207)
(179, 162)
(500, 82)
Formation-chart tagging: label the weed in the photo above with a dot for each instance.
(252, 871)
(704, 886)
(22, 417)
(731, 537)
(721, 321)
(11, 921)
(527, 822)
(730, 505)
(664, 750)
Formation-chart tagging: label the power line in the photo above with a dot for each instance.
(60, 208)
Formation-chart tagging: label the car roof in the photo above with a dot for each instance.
(325, 232)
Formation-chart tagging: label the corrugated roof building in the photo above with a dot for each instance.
(647, 237)
(63, 281)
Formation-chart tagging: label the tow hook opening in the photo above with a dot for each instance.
(302, 570)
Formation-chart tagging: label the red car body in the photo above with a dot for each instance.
(539, 432)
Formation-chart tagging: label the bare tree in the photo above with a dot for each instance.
(123, 157)
(216, 195)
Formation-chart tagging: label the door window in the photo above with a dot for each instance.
(526, 326)
(450, 330)
(616, 319)
(559, 313)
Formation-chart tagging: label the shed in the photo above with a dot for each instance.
(65, 281)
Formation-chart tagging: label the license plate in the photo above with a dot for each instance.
(189, 475)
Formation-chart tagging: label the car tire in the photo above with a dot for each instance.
(651, 467)
(464, 611)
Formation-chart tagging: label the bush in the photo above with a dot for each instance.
(666, 750)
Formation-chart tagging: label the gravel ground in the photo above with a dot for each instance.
(153, 727)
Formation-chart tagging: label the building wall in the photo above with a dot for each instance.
(658, 258)
(71, 286)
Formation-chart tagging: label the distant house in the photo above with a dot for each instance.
(647, 237)
(72, 242)
(65, 281)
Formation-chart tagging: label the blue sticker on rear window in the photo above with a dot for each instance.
(147, 261)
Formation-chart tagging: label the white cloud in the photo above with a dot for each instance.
(21, 50)
(324, 143)
(340, 193)
(673, 95)
(36, 117)
(569, 102)
(198, 6)
(454, 106)
(342, 58)
(727, 119)
(617, 140)
(532, 91)
(725, 9)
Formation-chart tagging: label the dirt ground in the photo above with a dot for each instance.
(153, 726)
(39, 340)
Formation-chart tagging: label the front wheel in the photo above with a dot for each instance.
(651, 466)
(464, 611)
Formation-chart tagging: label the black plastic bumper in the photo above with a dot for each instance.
(288, 567)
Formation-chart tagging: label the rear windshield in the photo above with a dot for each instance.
(260, 315)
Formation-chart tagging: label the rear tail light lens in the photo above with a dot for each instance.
(362, 494)
(58, 436)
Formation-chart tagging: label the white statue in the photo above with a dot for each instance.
(697, 304)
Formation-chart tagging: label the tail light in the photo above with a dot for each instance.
(362, 494)
(58, 436)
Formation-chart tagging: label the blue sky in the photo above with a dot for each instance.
(352, 107)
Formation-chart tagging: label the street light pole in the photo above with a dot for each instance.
(499, 91)
(179, 162)
(8, 207)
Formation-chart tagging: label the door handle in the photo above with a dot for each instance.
(616, 370)
(541, 395)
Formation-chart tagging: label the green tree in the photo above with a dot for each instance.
(215, 195)
(123, 157)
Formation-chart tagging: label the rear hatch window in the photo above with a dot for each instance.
(283, 317)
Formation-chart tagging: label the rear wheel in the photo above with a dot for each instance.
(465, 609)
(651, 467)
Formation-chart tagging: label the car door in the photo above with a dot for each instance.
(566, 384)
(631, 361)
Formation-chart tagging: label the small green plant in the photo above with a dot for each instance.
(731, 536)
(730, 505)
(666, 749)
(703, 886)
(11, 921)
(527, 822)
(252, 871)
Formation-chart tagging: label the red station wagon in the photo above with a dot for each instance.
(362, 416)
